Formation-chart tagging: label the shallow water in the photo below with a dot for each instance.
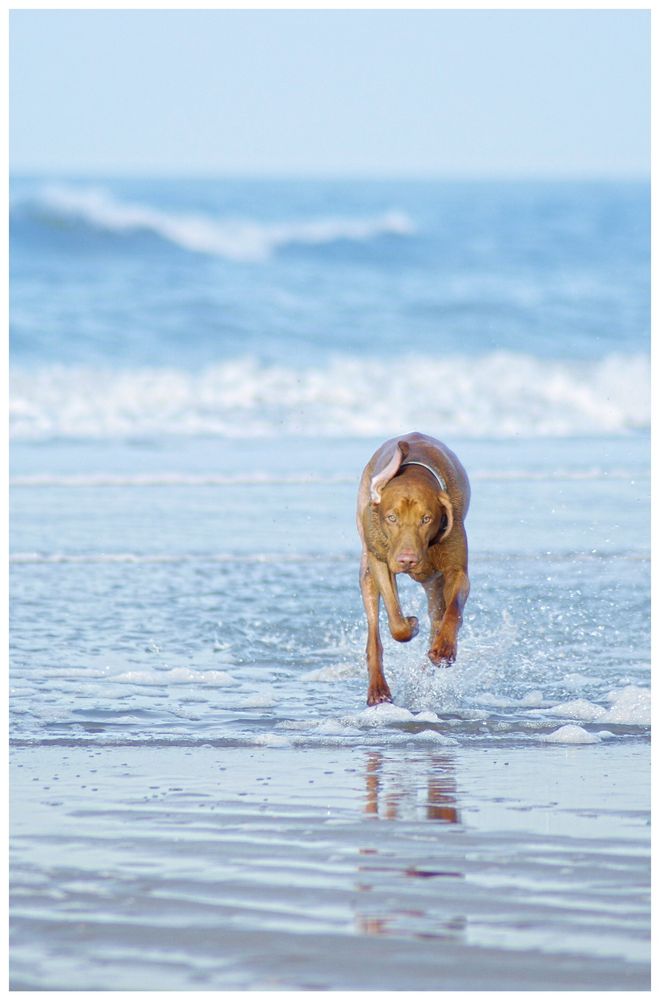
(147, 630)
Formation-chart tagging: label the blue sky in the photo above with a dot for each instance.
(324, 93)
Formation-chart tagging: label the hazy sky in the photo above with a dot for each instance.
(383, 93)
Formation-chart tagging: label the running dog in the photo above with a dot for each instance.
(413, 499)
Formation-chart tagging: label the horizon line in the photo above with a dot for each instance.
(330, 176)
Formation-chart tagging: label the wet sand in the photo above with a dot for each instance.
(234, 867)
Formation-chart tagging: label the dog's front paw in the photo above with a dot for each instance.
(443, 650)
(378, 692)
(407, 630)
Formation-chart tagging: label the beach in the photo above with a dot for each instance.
(200, 798)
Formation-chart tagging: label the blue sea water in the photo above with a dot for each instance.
(254, 308)
(199, 372)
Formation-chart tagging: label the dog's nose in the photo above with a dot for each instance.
(407, 559)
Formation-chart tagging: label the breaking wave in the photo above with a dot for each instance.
(499, 395)
(235, 239)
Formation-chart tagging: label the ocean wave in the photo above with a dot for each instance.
(498, 395)
(243, 240)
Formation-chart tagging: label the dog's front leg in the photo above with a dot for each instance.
(402, 628)
(378, 688)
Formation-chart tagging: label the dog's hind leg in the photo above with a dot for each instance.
(446, 604)
(455, 590)
(434, 589)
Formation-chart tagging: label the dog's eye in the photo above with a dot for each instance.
(392, 518)
(426, 519)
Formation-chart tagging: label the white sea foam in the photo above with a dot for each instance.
(334, 727)
(177, 675)
(376, 717)
(531, 700)
(571, 734)
(576, 681)
(271, 740)
(385, 714)
(433, 736)
(380, 719)
(426, 716)
(496, 395)
(630, 706)
(581, 709)
(244, 240)
(331, 673)
(265, 698)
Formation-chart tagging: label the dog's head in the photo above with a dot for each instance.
(413, 512)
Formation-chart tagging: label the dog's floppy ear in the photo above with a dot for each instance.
(380, 480)
(447, 521)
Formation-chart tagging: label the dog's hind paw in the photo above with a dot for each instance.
(443, 651)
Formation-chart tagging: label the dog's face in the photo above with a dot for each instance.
(412, 518)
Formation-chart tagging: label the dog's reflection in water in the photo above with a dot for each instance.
(396, 795)
(393, 791)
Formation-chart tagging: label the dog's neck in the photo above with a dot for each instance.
(436, 475)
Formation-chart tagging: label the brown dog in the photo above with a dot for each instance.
(413, 498)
